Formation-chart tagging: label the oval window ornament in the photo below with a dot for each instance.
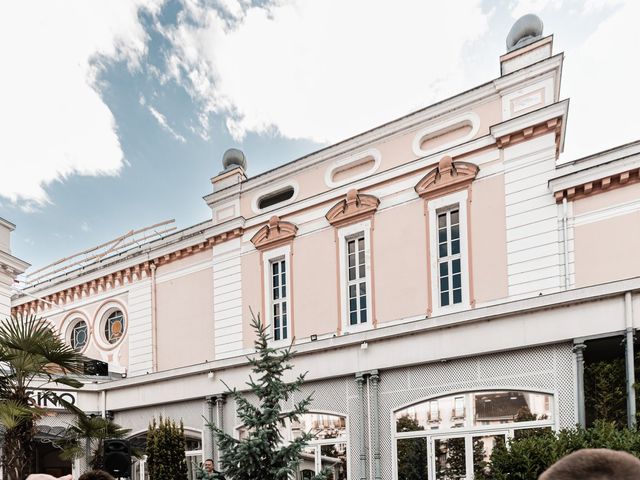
(441, 136)
(352, 168)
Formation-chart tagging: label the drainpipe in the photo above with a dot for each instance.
(103, 403)
(631, 377)
(565, 229)
(375, 440)
(361, 438)
(578, 349)
(154, 321)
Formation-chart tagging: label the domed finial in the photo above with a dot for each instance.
(233, 158)
(526, 30)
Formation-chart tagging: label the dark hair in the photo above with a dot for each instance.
(594, 464)
(209, 460)
(96, 475)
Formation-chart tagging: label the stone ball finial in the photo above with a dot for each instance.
(526, 30)
(233, 158)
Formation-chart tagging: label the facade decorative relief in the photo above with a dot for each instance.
(356, 206)
(274, 233)
(553, 125)
(597, 186)
(447, 177)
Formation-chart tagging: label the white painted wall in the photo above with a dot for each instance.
(533, 246)
(139, 330)
(227, 298)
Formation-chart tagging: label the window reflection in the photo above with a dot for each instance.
(475, 409)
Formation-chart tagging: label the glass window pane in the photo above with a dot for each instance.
(444, 269)
(456, 281)
(361, 271)
(363, 302)
(353, 318)
(455, 247)
(274, 267)
(361, 244)
(276, 310)
(455, 216)
(499, 407)
(363, 288)
(353, 304)
(455, 266)
(352, 273)
(284, 332)
(457, 296)
(442, 220)
(352, 260)
(482, 449)
(442, 250)
(444, 284)
(455, 232)
(444, 299)
(276, 281)
(442, 235)
(450, 458)
(284, 291)
(352, 291)
(283, 266)
(276, 293)
(412, 459)
(333, 458)
(363, 316)
(351, 246)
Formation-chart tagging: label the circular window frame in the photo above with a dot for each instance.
(69, 323)
(100, 319)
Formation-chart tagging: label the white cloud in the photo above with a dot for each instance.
(162, 121)
(601, 78)
(322, 70)
(53, 120)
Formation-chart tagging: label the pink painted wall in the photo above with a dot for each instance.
(607, 250)
(488, 240)
(251, 265)
(395, 150)
(185, 320)
(188, 261)
(605, 199)
(400, 262)
(315, 284)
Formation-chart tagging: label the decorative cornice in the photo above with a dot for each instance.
(447, 177)
(274, 233)
(356, 206)
(609, 182)
(125, 276)
(553, 125)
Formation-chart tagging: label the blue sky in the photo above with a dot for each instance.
(116, 113)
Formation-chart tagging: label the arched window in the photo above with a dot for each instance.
(79, 335)
(114, 326)
(328, 448)
(453, 436)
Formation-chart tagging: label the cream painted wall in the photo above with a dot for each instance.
(185, 320)
(315, 284)
(251, 294)
(400, 266)
(607, 250)
(488, 241)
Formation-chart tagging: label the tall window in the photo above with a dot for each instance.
(279, 299)
(356, 280)
(449, 258)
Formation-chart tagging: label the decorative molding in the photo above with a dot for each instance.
(117, 279)
(274, 234)
(355, 207)
(553, 125)
(447, 177)
(610, 182)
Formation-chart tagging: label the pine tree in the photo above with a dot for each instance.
(165, 450)
(262, 454)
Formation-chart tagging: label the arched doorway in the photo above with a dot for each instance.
(193, 453)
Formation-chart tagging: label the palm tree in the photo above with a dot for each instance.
(85, 438)
(32, 355)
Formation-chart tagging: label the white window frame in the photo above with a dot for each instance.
(344, 234)
(268, 257)
(459, 200)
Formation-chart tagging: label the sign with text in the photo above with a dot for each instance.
(43, 399)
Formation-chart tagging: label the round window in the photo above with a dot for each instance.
(114, 326)
(79, 335)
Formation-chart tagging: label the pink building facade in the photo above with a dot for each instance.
(440, 276)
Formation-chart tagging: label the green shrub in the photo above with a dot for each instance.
(527, 457)
(165, 450)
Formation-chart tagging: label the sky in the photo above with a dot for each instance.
(115, 113)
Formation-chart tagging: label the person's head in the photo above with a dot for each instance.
(594, 464)
(96, 475)
(44, 476)
(208, 465)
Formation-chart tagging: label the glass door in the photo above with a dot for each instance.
(448, 458)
